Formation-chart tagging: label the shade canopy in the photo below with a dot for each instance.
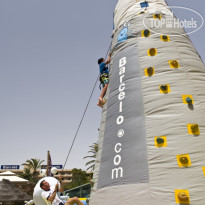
(11, 177)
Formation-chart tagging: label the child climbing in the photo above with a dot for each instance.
(104, 78)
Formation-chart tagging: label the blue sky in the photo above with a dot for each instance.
(48, 67)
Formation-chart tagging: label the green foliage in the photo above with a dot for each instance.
(93, 151)
(33, 165)
(79, 177)
(26, 174)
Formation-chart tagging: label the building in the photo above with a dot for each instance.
(66, 174)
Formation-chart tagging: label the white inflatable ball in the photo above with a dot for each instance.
(43, 172)
(37, 198)
(54, 170)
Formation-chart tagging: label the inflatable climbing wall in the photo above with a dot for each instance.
(152, 134)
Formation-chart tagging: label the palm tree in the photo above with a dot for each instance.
(26, 174)
(33, 164)
(93, 151)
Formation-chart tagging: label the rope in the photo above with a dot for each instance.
(84, 114)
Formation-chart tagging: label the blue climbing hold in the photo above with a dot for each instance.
(189, 100)
(144, 4)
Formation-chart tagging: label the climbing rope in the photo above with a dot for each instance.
(84, 113)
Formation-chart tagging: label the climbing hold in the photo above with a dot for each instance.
(157, 16)
(164, 87)
(184, 160)
(142, 12)
(164, 38)
(152, 52)
(160, 140)
(189, 100)
(194, 128)
(183, 197)
(144, 4)
(146, 33)
(150, 71)
(174, 64)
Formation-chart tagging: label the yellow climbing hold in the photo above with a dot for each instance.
(193, 129)
(182, 196)
(184, 160)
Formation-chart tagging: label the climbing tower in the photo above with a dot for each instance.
(152, 134)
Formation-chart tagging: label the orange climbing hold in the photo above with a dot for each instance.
(182, 196)
(152, 52)
(149, 71)
(184, 160)
(193, 129)
(174, 64)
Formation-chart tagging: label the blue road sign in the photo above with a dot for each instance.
(10, 166)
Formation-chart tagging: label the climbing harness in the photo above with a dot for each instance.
(104, 75)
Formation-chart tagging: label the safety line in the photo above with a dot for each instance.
(84, 114)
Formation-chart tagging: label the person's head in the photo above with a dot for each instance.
(100, 60)
(45, 185)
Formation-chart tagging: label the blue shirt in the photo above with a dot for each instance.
(103, 68)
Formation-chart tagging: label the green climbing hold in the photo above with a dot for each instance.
(164, 87)
(160, 140)
(146, 33)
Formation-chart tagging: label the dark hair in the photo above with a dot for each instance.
(100, 60)
(41, 184)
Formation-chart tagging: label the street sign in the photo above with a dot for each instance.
(59, 166)
(10, 166)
